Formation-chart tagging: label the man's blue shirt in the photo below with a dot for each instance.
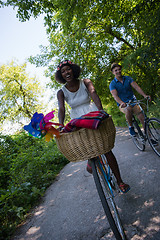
(124, 90)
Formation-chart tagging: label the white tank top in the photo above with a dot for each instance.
(79, 101)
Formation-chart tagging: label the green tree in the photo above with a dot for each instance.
(95, 33)
(19, 94)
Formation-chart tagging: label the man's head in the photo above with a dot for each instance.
(116, 70)
(113, 65)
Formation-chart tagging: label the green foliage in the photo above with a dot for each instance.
(19, 93)
(95, 33)
(117, 116)
(28, 166)
(155, 108)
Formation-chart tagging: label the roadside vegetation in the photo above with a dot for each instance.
(28, 166)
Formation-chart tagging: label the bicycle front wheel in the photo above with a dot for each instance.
(107, 199)
(138, 139)
(153, 134)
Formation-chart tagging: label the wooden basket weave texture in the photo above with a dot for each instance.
(86, 143)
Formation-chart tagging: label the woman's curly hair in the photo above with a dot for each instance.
(75, 68)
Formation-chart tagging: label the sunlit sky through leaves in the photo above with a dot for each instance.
(20, 40)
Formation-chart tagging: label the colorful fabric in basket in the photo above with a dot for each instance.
(90, 120)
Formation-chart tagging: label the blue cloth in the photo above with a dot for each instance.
(124, 90)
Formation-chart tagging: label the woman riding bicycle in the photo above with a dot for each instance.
(78, 94)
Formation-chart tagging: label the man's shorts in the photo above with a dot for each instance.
(136, 109)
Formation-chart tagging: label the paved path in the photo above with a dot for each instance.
(71, 209)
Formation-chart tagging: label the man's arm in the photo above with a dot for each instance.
(117, 99)
(138, 89)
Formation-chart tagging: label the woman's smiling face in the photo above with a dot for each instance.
(67, 73)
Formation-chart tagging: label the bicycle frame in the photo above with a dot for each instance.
(146, 118)
(151, 130)
(106, 172)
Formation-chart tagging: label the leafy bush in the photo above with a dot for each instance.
(155, 108)
(27, 167)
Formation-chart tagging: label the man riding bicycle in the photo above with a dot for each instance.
(121, 89)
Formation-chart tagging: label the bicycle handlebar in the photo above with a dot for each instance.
(141, 101)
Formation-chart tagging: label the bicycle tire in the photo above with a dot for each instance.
(111, 189)
(117, 229)
(139, 139)
(153, 134)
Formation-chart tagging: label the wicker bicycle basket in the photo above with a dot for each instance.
(86, 143)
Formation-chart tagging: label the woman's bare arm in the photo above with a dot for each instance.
(61, 106)
(93, 93)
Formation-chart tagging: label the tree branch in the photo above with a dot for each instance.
(117, 35)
